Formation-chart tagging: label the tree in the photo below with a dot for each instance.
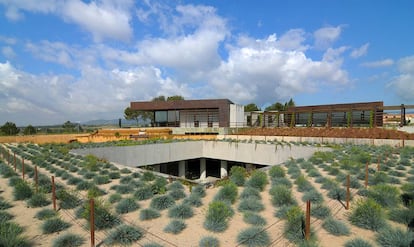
(132, 114)
(69, 126)
(251, 107)
(275, 107)
(175, 97)
(159, 98)
(29, 130)
(9, 128)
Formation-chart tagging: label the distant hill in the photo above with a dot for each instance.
(114, 122)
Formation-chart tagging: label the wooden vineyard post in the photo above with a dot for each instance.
(348, 195)
(53, 193)
(366, 175)
(92, 221)
(307, 223)
(23, 168)
(36, 180)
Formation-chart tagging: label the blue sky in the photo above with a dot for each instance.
(82, 60)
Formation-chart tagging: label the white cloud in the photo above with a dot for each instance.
(361, 51)
(326, 36)
(261, 71)
(96, 94)
(403, 84)
(8, 52)
(379, 63)
(102, 18)
(56, 52)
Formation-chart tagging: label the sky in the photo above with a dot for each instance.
(74, 60)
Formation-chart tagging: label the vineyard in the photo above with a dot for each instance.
(46, 195)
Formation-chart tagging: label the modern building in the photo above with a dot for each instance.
(208, 113)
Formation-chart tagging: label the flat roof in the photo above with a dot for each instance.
(180, 104)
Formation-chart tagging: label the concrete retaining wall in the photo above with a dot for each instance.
(142, 155)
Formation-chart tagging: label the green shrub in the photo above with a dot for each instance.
(281, 195)
(250, 192)
(68, 199)
(251, 204)
(10, 235)
(217, 216)
(313, 196)
(294, 226)
(282, 181)
(402, 215)
(159, 186)
(103, 179)
(182, 211)
(257, 180)
(385, 195)
(5, 216)
(162, 202)
(193, 200)
(176, 185)
(209, 241)
(124, 188)
(149, 214)
(6, 171)
(124, 235)
(367, 214)
(320, 211)
(175, 226)
(177, 194)
(126, 205)
(335, 227)
(52, 225)
(89, 175)
(148, 176)
(389, 236)
(68, 240)
(227, 193)
(238, 175)
(115, 197)
(45, 214)
(198, 190)
(125, 171)
(378, 178)
(277, 172)
(254, 219)
(358, 242)
(104, 219)
(253, 236)
(38, 200)
(83, 185)
(22, 190)
(114, 175)
(4, 204)
(303, 183)
(143, 193)
(337, 193)
(74, 181)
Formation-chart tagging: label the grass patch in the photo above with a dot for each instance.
(227, 193)
(126, 205)
(162, 202)
(335, 227)
(367, 214)
(38, 200)
(182, 211)
(45, 214)
(209, 241)
(52, 225)
(254, 219)
(175, 226)
(389, 236)
(124, 235)
(149, 214)
(358, 242)
(253, 236)
(10, 235)
(68, 240)
(217, 216)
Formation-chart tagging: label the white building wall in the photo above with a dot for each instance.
(236, 115)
